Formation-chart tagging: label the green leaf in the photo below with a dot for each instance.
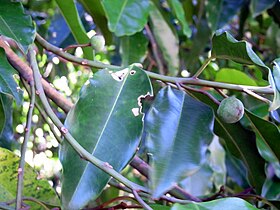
(211, 174)
(268, 137)
(218, 204)
(16, 25)
(95, 9)
(177, 7)
(33, 187)
(2, 115)
(225, 46)
(71, 16)
(159, 207)
(259, 6)
(271, 189)
(166, 39)
(274, 81)
(126, 17)
(6, 121)
(239, 142)
(178, 130)
(133, 48)
(107, 121)
(7, 82)
(220, 12)
(234, 76)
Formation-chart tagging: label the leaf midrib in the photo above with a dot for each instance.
(120, 14)
(7, 26)
(101, 134)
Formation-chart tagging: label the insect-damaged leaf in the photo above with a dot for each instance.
(178, 130)
(107, 122)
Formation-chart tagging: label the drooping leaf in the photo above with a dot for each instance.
(6, 121)
(177, 7)
(166, 40)
(178, 130)
(259, 6)
(33, 187)
(220, 12)
(268, 137)
(218, 204)
(59, 33)
(225, 46)
(7, 82)
(241, 143)
(95, 9)
(274, 81)
(133, 48)
(106, 121)
(271, 189)
(20, 28)
(126, 17)
(211, 174)
(71, 16)
(234, 76)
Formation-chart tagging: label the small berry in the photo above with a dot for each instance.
(231, 110)
(97, 43)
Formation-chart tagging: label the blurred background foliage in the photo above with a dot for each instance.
(191, 24)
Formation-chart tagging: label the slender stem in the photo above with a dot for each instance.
(73, 58)
(70, 139)
(141, 201)
(251, 93)
(75, 46)
(201, 69)
(202, 92)
(25, 72)
(120, 198)
(155, 49)
(24, 147)
(181, 80)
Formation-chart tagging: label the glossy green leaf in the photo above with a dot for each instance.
(218, 204)
(33, 187)
(178, 130)
(259, 6)
(133, 48)
(107, 122)
(71, 16)
(177, 7)
(95, 9)
(6, 121)
(268, 137)
(220, 12)
(274, 81)
(166, 40)
(234, 76)
(225, 46)
(271, 189)
(126, 17)
(211, 174)
(7, 82)
(20, 28)
(239, 142)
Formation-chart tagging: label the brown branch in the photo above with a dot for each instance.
(25, 72)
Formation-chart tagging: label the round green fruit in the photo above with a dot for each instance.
(97, 43)
(231, 110)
